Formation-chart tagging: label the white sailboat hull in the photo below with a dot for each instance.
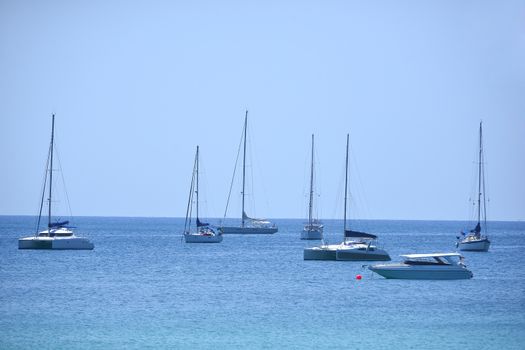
(411, 272)
(55, 243)
(248, 230)
(200, 238)
(474, 245)
(314, 234)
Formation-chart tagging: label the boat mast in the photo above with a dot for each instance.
(197, 186)
(346, 183)
(479, 172)
(187, 221)
(244, 167)
(51, 171)
(311, 188)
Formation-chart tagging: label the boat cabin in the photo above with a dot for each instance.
(432, 259)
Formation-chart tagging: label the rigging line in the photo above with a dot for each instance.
(360, 198)
(336, 208)
(254, 158)
(472, 203)
(43, 195)
(203, 190)
(311, 197)
(318, 183)
(190, 198)
(479, 173)
(253, 210)
(304, 194)
(484, 190)
(63, 181)
(233, 176)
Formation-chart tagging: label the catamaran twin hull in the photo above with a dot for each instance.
(55, 243)
(335, 252)
(249, 230)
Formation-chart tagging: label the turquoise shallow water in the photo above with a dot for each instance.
(143, 288)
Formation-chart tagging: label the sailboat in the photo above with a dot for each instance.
(474, 240)
(58, 235)
(314, 229)
(248, 225)
(203, 233)
(356, 246)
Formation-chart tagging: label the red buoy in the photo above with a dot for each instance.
(358, 277)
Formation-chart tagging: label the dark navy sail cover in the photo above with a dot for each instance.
(58, 224)
(201, 224)
(350, 233)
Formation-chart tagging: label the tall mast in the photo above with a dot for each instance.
(346, 183)
(197, 187)
(479, 172)
(311, 188)
(187, 221)
(51, 170)
(244, 166)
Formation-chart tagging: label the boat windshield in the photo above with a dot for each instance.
(434, 260)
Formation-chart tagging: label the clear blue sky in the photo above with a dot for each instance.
(136, 85)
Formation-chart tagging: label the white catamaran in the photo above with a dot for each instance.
(58, 234)
(248, 225)
(313, 230)
(203, 233)
(356, 246)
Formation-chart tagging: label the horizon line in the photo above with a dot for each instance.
(276, 218)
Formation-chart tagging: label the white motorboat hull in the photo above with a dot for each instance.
(55, 243)
(199, 238)
(359, 254)
(411, 272)
(248, 230)
(474, 245)
(327, 252)
(312, 235)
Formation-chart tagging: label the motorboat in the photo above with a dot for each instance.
(313, 230)
(436, 266)
(202, 232)
(58, 235)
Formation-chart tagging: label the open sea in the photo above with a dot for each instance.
(142, 287)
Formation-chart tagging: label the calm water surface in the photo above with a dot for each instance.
(143, 288)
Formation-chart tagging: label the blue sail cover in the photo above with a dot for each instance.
(201, 224)
(350, 233)
(58, 224)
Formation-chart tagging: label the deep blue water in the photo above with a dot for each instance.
(143, 288)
